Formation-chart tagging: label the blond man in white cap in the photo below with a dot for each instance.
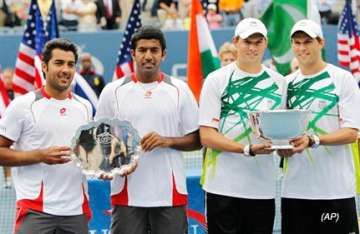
(239, 171)
(318, 192)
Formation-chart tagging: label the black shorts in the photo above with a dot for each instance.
(230, 215)
(299, 216)
(34, 222)
(144, 220)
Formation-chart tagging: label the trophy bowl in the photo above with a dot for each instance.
(279, 126)
(106, 147)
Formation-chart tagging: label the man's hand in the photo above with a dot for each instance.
(123, 171)
(153, 140)
(300, 143)
(130, 168)
(263, 148)
(55, 155)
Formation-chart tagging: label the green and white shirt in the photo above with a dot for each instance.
(228, 95)
(327, 172)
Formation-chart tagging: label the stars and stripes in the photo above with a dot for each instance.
(28, 75)
(124, 64)
(349, 41)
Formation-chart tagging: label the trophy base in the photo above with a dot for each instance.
(276, 147)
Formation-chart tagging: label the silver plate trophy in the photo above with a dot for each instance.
(106, 147)
(279, 126)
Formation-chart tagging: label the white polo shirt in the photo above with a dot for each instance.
(228, 95)
(326, 172)
(36, 121)
(167, 107)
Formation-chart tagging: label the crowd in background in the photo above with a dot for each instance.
(94, 15)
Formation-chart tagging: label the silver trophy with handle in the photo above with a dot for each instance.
(279, 126)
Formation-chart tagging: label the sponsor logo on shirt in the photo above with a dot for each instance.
(215, 120)
(62, 111)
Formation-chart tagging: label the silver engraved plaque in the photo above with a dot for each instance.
(106, 147)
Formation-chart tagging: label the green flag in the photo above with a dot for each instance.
(279, 17)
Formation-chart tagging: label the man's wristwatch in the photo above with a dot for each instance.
(314, 141)
(248, 152)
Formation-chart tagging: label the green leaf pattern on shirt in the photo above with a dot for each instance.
(240, 97)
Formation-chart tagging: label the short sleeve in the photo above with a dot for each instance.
(349, 100)
(189, 112)
(210, 103)
(105, 108)
(11, 124)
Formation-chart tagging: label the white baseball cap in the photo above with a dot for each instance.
(250, 26)
(309, 27)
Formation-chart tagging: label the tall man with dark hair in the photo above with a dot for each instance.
(50, 189)
(318, 192)
(165, 113)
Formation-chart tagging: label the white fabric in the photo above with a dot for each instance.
(326, 172)
(38, 124)
(87, 22)
(309, 27)
(250, 26)
(235, 175)
(172, 112)
(70, 4)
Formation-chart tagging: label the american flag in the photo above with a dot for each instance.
(124, 64)
(349, 41)
(28, 75)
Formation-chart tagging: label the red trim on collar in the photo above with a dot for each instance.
(161, 77)
(46, 95)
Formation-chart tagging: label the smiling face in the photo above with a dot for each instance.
(307, 50)
(251, 49)
(148, 56)
(60, 70)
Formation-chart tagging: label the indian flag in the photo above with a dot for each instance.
(279, 17)
(202, 55)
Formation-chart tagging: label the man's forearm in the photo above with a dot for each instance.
(10, 157)
(188, 142)
(340, 137)
(211, 138)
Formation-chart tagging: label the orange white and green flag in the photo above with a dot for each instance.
(202, 55)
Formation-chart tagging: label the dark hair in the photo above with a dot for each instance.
(299, 33)
(148, 32)
(58, 43)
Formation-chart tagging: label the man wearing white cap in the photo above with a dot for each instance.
(318, 192)
(239, 172)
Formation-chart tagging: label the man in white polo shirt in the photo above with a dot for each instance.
(165, 113)
(318, 192)
(51, 191)
(239, 175)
